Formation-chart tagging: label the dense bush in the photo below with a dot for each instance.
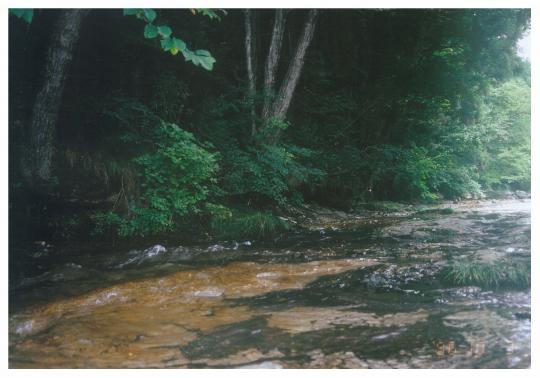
(256, 168)
(273, 172)
(506, 142)
(444, 157)
(176, 175)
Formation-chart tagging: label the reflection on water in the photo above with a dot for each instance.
(360, 297)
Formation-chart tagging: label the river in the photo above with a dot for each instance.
(346, 292)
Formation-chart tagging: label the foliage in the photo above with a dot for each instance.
(257, 170)
(505, 127)
(392, 105)
(458, 160)
(24, 13)
(210, 13)
(497, 274)
(172, 44)
(176, 175)
(268, 170)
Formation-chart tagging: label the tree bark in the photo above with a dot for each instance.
(48, 100)
(273, 59)
(286, 91)
(250, 65)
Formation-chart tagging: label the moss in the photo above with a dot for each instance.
(498, 274)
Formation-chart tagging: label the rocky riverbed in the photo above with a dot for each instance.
(345, 291)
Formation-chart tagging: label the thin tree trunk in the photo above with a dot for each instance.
(48, 100)
(250, 65)
(286, 91)
(273, 59)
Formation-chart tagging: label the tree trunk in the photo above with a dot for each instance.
(250, 65)
(286, 91)
(48, 100)
(273, 59)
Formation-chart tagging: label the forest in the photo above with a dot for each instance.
(270, 188)
(339, 108)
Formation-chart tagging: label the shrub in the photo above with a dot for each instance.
(455, 182)
(176, 175)
(273, 172)
(258, 168)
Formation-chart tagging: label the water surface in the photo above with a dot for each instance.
(348, 293)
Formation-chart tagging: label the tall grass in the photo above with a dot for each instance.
(499, 274)
(257, 225)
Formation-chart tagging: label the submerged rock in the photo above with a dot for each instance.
(216, 248)
(139, 257)
(155, 250)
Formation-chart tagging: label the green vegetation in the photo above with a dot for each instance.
(376, 106)
(24, 13)
(502, 273)
(172, 44)
(249, 225)
(176, 173)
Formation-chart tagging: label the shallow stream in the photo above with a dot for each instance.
(350, 293)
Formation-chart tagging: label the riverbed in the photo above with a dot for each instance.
(347, 292)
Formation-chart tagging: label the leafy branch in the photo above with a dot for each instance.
(172, 44)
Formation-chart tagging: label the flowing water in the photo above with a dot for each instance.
(348, 292)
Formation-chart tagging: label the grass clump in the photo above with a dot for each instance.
(254, 225)
(493, 275)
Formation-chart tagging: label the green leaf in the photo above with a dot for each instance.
(179, 44)
(26, 14)
(173, 45)
(149, 15)
(210, 13)
(164, 31)
(203, 53)
(167, 44)
(150, 31)
(205, 59)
